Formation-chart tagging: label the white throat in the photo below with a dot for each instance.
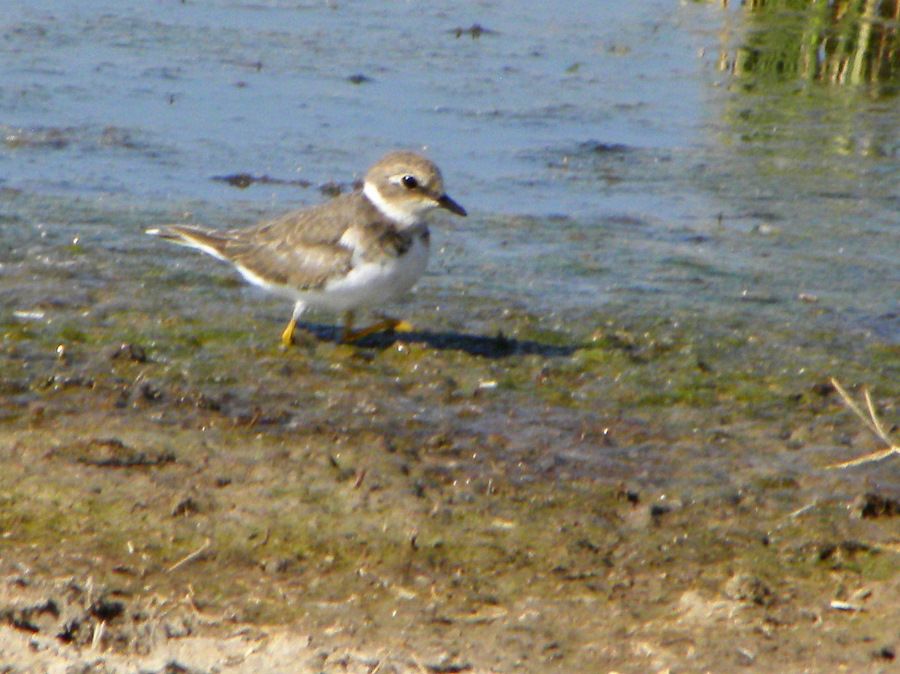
(399, 215)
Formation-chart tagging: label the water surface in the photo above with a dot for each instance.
(641, 159)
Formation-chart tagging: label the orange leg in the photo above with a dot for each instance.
(287, 337)
(350, 335)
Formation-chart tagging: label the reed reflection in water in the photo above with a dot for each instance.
(841, 42)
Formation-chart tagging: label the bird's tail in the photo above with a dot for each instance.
(208, 240)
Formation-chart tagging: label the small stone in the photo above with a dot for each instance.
(132, 352)
(105, 609)
(657, 510)
(823, 389)
(631, 495)
(765, 229)
(872, 506)
(185, 506)
(886, 653)
(748, 588)
(331, 189)
(277, 565)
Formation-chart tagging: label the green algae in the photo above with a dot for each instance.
(468, 474)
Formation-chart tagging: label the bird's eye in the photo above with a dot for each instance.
(409, 182)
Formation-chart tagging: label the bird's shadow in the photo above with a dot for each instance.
(498, 346)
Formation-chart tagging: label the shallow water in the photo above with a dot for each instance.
(675, 185)
(683, 222)
(622, 157)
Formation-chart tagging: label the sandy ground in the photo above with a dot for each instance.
(245, 652)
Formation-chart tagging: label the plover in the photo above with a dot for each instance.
(356, 251)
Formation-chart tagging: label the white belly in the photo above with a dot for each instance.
(372, 283)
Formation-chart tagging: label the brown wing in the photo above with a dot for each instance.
(285, 258)
(305, 267)
(325, 223)
(302, 248)
(274, 260)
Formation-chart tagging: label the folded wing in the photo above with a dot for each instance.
(265, 257)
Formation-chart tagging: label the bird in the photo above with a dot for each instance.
(357, 251)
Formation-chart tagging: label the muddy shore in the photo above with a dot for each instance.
(608, 444)
(612, 495)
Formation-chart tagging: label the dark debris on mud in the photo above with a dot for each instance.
(79, 614)
(614, 498)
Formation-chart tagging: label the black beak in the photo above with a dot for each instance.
(446, 202)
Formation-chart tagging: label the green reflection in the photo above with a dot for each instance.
(818, 74)
(840, 42)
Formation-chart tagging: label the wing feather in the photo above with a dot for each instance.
(302, 249)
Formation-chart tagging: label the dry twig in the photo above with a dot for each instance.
(872, 422)
(191, 557)
(97, 639)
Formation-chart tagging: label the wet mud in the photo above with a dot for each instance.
(607, 446)
(613, 494)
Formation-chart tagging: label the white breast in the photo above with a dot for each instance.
(372, 283)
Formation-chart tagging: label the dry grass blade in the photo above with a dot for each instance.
(851, 403)
(99, 631)
(191, 557)
(872, 422)
(879, 429)
(868, 458)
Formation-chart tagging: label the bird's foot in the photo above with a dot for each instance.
(384, 325)
(287, 337)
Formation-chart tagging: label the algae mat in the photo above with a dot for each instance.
(611, 496)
